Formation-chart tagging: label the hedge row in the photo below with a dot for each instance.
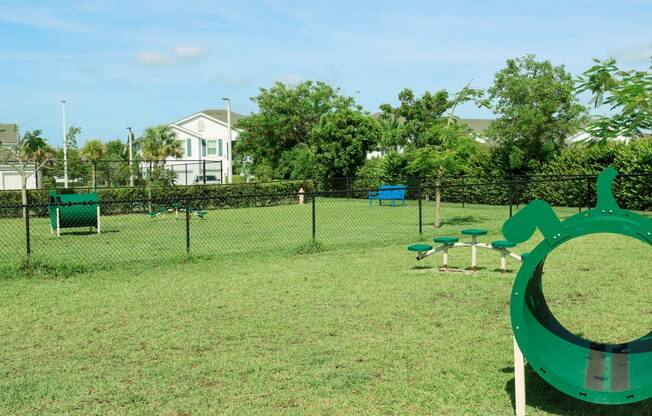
(138, 199)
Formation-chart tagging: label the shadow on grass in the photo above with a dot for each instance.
(541, 395)
(87, 232)
(468, 219)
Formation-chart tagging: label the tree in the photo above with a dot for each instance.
(628, 96)
(71, 136)
(285, 118)
(536, 110)
(27, 157)
(115, 163)
(341, 140)
(93, 151)
(159, 143)
(433, 139)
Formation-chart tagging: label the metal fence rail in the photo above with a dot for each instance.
(63, 238)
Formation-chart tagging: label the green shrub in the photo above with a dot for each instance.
(142, 199)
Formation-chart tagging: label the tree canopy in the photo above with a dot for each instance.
(536, 110)
(305, 131)
(158, 143)
(626, 94)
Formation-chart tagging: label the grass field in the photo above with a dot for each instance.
(361, 328)
(134, 241)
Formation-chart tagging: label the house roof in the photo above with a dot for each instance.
(8, 133)
(221, 115)
(478, 125)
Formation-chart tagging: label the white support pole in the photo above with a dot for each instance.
(65, 144)
(445, 256)
(131, 157)
(519, 381)
(503, 260)
(98, 219)
(58, 223)
(229, 150)
(474, 252)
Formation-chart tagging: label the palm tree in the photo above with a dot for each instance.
(93, 151)
(159, 143)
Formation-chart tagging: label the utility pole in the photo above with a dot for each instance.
(130, 144)
(229, 156)
(65, 144)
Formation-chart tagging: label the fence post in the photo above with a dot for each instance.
(204, 169)
(420, 213)
(185, 165)
(314, 215)
(463, 191)
(28, 247)
(588, 193)
(187, 227)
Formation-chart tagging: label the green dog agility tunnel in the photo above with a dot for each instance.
(590, 371)
(73, 211)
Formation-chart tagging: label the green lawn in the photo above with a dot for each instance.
(357, 331)
(249, 327)
(137, 242)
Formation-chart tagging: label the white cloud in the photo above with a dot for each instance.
(151, 58)
(42, 19)
(189, 51)
(289, 79)
(635, 54)
(177, 55)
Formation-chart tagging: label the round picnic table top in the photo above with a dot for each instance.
(420, 247)
(474, 231)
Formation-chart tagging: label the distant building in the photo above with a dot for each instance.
(203, 137)
(9, 178)
(479, 127)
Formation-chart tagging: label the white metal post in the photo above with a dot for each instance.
(98, 219)
(229, 155)
(58, 223)
(131, 171)
(519, 381)
(65, 144)
(474, 252)
(445, 255)
(503, 260)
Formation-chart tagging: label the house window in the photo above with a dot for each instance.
(211, 147)
(189, 147)
(220, 147)
(200, 125)
(203, 147)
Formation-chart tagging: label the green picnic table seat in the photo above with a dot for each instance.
(449, 241)
(474, 232)
(420, 247)
(503, 244)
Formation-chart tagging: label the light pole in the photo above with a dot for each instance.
(131, 170)
(229, 171)
(65, 144)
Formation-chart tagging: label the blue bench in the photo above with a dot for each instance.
(388, 193)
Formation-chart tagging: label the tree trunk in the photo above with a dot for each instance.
(23, 187)
(438, 199)
(94, 168)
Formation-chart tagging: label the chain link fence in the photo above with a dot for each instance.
(65, 236)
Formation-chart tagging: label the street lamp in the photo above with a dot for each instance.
(131, 171)
(65, 144)
(229, 158)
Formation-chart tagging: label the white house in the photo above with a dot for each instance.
(206, 151)
(9, 178)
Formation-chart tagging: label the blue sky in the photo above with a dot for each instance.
(143, 62)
